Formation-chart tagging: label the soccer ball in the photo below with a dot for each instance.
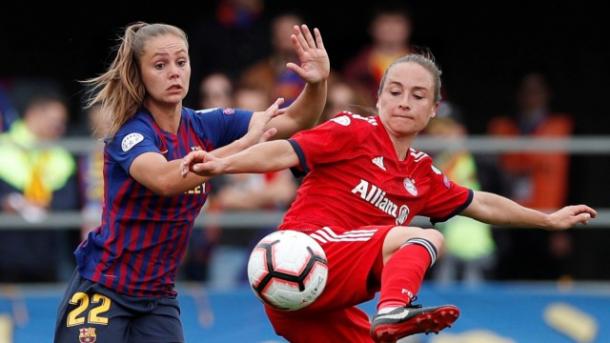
(287, 270)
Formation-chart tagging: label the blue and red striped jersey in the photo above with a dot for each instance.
(143, 235)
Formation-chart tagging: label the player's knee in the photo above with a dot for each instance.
(435, 237)
(399, 235)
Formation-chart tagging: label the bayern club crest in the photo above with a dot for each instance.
(410, 186)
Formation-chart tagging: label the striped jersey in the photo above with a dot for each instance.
(354, 178)
(143, 235)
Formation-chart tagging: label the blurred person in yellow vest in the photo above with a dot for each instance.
(35, 172)
(469, 243)
(36, 176)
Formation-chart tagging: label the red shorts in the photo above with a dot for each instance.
(355, 263)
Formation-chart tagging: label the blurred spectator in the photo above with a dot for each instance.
(390, 31)
(33, 180)
(538, 180)
(91, 173)
(216, 90)
(343, 97)
(469, 245)
(271, 74)
(231, 36)
(251, 98)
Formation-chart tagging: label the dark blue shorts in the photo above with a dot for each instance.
(91, 313)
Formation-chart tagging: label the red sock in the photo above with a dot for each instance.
(404, 272)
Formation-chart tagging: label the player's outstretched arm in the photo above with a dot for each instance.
(498, 210)
(260, 158)
(163, 177)
(314, 68)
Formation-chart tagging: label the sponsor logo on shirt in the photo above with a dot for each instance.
(131, 140)
(377, 197)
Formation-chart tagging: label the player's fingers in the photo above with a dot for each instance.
(279, 112)
(319, 41)
(308, 36)
(268, 134)
(275, 106)
(188, 160)
(583, 218)
(585, 208)
(295, 68)
(300, 38)
(198, 167)
(297, 45)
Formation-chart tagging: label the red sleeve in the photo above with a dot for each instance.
(445, 197)
(329, 142)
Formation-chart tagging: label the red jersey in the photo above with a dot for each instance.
(354, 178)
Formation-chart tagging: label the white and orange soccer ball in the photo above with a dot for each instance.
(287, 270)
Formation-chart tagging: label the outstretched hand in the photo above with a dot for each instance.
(569, 216)
(313, 59)
(256, 131)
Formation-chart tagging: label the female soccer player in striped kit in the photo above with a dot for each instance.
(123, 289)
(363, 185)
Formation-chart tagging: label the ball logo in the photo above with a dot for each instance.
(131, 140)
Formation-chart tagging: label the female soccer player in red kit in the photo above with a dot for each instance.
(123, 289)
(363, 185)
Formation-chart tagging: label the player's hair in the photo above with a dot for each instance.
(120, 90)
(425, 59)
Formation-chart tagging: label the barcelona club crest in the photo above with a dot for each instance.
(86, 335)
(410, 186)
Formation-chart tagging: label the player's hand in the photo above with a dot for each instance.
(313, 59)
(202, 163)
(569, 216)
(256, 131)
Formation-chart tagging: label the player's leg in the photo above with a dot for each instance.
(161, 324)
(344, 325)
(85, 315)
(408, 252)
(354, 270)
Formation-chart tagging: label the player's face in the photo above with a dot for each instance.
(165, 69)
(406, 102)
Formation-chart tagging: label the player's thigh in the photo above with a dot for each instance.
(354, 266)
(161, 325)
(343, 325)
(87, 316)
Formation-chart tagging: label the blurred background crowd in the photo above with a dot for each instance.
(511, 71)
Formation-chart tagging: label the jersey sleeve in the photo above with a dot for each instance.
(445, 197)
(221, 125)
(132, 140)
(331, 141)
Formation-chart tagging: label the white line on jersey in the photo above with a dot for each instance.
(326, 234)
